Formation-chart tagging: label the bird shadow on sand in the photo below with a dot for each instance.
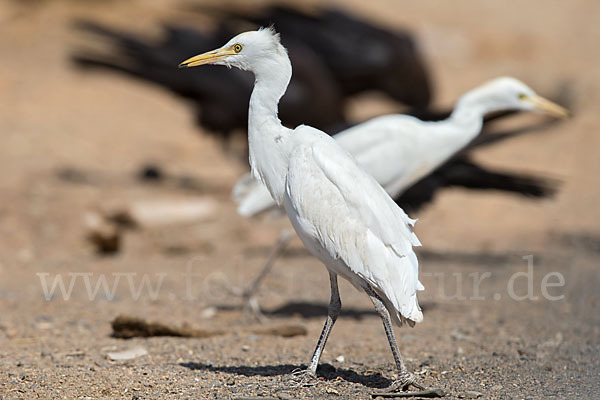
(326, 371)
(306, 309)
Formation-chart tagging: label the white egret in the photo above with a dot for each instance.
(398, 150)
(341, 214)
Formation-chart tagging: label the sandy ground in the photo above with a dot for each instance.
(53, 117)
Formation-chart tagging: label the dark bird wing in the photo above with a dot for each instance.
(360, 55)
(221, 96)
(463, 172)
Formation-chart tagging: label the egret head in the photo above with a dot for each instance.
(246, 51)
(508, 92)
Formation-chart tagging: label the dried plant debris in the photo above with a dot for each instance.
(127, 327)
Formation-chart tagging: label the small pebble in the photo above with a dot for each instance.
(150, 173)
(127, 354)
(470, 394)
(332, 391)
(208, 313)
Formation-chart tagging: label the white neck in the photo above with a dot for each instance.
(466, 121)
(268, 140)
(445, 138)
(476, 103)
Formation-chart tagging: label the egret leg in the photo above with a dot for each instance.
(335, 304)
(405, 378)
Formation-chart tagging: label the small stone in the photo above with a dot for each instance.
(150, 173)
(103, 234)
(496, 387)
(245, 347)
(470, 394)
(127, 354)
(461, 336)
(44, 325)
(340, 359)
(208, 313)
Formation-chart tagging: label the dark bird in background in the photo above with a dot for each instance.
(323, 48)
(360, 56)
(323, 52)
(220, 96)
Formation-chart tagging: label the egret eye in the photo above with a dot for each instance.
(522, 96)
(237, 47)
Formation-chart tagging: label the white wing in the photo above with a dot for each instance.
(391, 148)
(355, 220)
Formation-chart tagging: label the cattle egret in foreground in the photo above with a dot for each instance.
(341, 214)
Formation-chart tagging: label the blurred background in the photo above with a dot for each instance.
(104, 141)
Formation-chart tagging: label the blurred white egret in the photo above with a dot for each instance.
(341, 214)
(398, 150)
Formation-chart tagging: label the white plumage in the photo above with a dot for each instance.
(344, 217)
(398, 150)
(341, 213)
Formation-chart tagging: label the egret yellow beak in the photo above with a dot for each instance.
(209, 57)
(547, 106)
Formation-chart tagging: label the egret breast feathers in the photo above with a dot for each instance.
(368, 231)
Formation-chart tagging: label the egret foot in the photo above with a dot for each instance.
(252, 310)
(400, 387)
(404, 382)
(302, 378)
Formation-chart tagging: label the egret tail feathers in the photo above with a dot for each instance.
(251, 196)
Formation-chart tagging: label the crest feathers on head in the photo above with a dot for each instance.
(270, 30)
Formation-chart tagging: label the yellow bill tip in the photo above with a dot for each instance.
(193, 61)
(209, 57)
(549, 107)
